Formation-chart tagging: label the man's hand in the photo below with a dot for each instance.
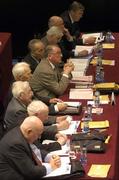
(61, 106)
(55, 100)
(60, 119)
(61, 138)
(68, 68)
(63, 125)
(55, 162)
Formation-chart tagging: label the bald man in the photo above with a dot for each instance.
(18, 153)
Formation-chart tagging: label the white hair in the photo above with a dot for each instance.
(19, 87)
(54, 30)
(35, 107)
(19, 69)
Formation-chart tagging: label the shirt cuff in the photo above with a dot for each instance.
(48, 168)
(56, 108)
(65, 75)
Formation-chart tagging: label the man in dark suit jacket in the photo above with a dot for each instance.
(17, 159)
(71, 19)
(17, 110)
(47, 80)
(36, 53)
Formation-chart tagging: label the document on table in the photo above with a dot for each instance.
(97, 124)
(63, 170)
(73, 104)
(72, 128)
(81, 94)
(83, 78)
(100, 170)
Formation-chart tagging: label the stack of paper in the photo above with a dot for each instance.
(100, 171)
(81, 94)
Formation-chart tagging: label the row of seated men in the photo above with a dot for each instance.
(32, 97)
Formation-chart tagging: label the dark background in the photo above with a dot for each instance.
(24, 18)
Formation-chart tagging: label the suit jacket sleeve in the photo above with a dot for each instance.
(24, 164)
(49, 82)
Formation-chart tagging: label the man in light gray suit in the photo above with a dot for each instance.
(47, 79)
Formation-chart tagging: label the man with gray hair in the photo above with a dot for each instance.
(36, 53)
(20, 158)
(53, 36)
(17, 108)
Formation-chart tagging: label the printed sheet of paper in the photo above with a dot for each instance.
(72, 128)
(99, 170)
(81, 94)
(64, 169)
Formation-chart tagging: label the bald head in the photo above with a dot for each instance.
(56, 21)
(32, 127)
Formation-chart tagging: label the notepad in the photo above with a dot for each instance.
(81, 48)
(99, 170)
(108, 45)
(110, 85)
(97, 124)
(104, 62)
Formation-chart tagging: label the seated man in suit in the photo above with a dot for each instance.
(39, 109)
(67, 43)
(71, 19)
(36, 53)
(47, 79)
(17, 108)
(21, 72)
(20, 158)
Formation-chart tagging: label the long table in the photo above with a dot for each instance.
(110, 113)
(5, 64)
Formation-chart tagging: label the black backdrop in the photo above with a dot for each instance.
(24, 18)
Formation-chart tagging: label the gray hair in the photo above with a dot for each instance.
(19, 69)
(19, 87)
(76, 6)
(54, 30)
(35, 107)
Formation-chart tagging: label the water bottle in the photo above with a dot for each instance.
(108, 37)
(68, 145)
(89, 112)
(83, 155)
(85, 128)
(97, 99)
(101, 74)
(97, 74)
(99, 50)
